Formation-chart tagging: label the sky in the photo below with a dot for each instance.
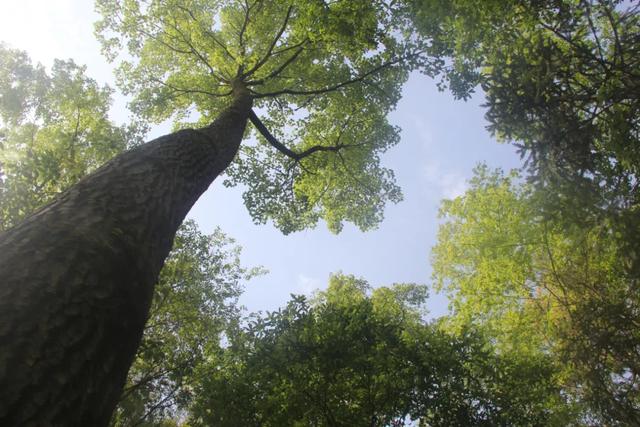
(442, 140)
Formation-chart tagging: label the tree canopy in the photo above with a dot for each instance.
(322, 75)
(361, 357)
(547, 260)
(536, 285)
(540, 265)
(561, 83)
(54, 129)
(560, 78)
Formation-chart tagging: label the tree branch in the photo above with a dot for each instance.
(275, 40)
(207, 32)
(241, 44)
(284, 149)
(278, 70)
(196, 52)
(180, 90)
(158, 405)
(335, 87)
(293, 46)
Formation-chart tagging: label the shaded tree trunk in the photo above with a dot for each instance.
(77, 277)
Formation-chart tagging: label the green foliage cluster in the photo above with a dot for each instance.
(539, 286)
(549, 261)
(323, 74)
(195, 301)
(54, 129)
(361, 357)
(560, 78)
(561, 82)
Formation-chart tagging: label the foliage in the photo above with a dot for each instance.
(485, 254)
(542, 275)
(195, 300)
(537, 285)
(552, 264)
(560, 78)
(561, 82)
(323, 74)
(352, 356)
(54, 129)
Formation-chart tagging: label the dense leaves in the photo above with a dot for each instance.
(561, 82)
(323, 74)
(561, 78)
(536, 285)
(361, 357)
(542, 273)
(550, 265)
(54, 129)
(195, 301)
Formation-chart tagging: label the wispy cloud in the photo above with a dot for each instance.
(447, 184)
(306, 285)
(438, 179)
(423, 130)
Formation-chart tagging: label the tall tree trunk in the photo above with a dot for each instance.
(77, 277)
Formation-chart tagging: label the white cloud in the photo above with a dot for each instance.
(306, 285)
(447, 184)
(422, 130)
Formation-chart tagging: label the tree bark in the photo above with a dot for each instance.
(77, 277)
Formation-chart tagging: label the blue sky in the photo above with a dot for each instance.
(442, 140)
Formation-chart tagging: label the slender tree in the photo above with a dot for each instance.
(78, 275)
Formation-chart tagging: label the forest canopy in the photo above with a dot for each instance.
(539, 265)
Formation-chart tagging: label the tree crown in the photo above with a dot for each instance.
(326, 73)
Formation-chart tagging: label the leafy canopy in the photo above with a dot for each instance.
(361, 357)
(561, 81)
(194, 302)
(54, 129)
(323, 75)
(537, 285)
(552, 264)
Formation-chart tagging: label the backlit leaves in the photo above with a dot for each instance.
(537, 284)
(54, 129)
(321, 74)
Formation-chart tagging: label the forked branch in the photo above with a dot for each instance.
(275, 40)
(357, 79)
(286, 150)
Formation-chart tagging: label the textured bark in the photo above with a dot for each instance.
(77, 277)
